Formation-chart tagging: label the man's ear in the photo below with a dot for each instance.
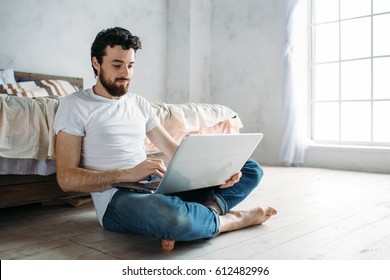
(95, 64)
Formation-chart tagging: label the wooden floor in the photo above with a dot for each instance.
(323, 214)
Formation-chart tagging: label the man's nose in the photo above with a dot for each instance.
(127, 71)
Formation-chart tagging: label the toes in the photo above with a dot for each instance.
(270, 211)
(167, 245)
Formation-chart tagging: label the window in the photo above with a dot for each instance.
(350, 70)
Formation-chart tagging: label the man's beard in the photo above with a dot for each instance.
(112, 88)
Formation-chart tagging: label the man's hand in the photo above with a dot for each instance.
(232, 181)
(146, 168)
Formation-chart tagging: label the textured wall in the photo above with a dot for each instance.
(55, 37)
(247, 67)
(215, 51)
(230, 52)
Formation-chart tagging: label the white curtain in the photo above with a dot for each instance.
(295, 139)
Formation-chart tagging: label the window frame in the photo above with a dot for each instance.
(312, 65)
(334, 155)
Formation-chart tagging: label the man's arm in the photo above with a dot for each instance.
(73, 178)
(163, 140)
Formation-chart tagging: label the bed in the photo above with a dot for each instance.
(27, 141)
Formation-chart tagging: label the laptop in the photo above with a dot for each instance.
(201, 161)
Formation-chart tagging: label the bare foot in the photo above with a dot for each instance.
(235, 220)
(167, 245)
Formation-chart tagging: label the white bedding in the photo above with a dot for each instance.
(27, 140)
(26, 127)
(7, 76)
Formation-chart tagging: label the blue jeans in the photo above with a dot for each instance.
(180, 216)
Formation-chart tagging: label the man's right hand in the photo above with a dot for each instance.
(145, 169)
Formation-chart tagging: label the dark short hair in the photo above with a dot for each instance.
(116, 36)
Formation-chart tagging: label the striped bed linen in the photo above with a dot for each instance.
(39, 88)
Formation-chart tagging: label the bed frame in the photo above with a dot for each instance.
(18, 190)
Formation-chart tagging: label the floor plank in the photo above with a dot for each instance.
(322, 214)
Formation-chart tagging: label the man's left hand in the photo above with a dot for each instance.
(232, 181)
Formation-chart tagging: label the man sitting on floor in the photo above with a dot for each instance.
(100, 141)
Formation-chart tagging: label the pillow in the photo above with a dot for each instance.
(7, 76)
(39, 88)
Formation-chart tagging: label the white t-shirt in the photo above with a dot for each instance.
(113, 133)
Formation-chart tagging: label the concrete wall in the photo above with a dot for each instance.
(216, 51)
(230, 52)
(55, 37)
